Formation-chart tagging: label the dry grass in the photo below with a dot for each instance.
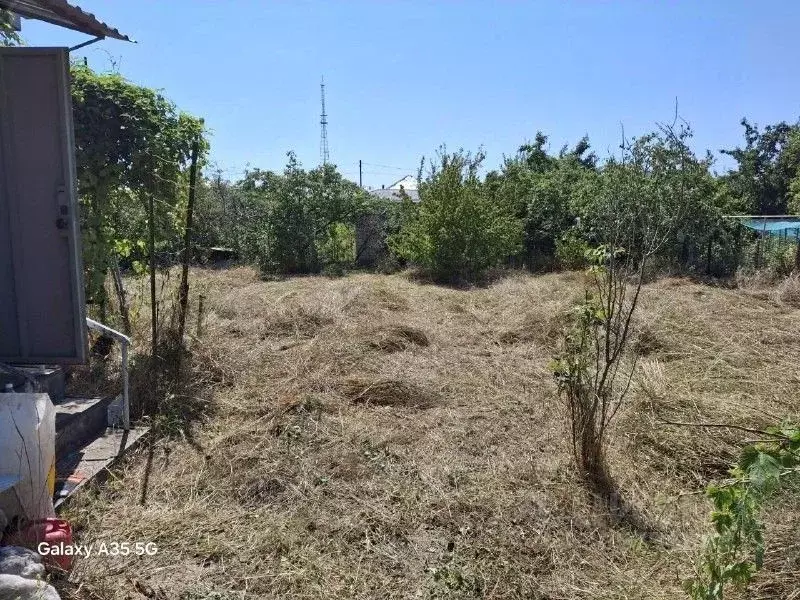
(789, 291)
(396, 338)
(386, 392)
(319, 476)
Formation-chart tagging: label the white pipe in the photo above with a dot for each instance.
(125, 341)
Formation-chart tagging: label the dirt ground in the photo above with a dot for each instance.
(375, 437)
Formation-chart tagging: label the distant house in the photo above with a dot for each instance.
(371, 228)
(393, 193)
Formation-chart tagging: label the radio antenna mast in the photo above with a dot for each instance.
(324, 153)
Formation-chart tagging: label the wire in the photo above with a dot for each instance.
(387, 167)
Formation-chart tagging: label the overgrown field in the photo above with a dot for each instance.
(375, 437)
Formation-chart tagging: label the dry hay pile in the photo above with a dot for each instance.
(386, 392)
(789, 291)
(396, 338)
(319, 476)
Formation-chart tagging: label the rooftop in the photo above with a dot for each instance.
(63, 14)
(396, 194)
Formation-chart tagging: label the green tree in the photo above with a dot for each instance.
(540, 190)
(132, 144)
(680, 183)
(301, 221)
(766, 167)
(219, 213)
(457, 230)
(791, 156)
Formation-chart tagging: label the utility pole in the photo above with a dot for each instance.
(323, 121)
(360, 183)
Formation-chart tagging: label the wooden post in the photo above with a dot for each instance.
(758, 244)
(758, 251)
(151, 227)
(708, 255)
(122, 297)
(200, 301)
(797, 249)
(187, 245)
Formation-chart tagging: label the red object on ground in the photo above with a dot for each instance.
(56, 533)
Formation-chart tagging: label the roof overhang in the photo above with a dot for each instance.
(64, 14)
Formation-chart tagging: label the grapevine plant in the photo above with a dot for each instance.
(735, 550)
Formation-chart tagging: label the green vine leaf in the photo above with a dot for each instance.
(735, 552)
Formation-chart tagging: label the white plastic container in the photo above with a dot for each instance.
(27, 451)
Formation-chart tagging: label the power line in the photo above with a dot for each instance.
(388, 167)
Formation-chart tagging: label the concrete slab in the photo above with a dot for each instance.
(78, 421)
(92, 462)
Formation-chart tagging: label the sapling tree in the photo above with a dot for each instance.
(636, 204)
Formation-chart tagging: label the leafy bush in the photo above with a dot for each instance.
(299, 221)
(780, 257)
(571, 251)
(220, 214)
(337, 249)
(544, 191)
(456, 231)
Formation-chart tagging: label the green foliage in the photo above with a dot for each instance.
(779, 256)
(541, 190)
(299, 221)
(215, 210)
(791, 159)
(767, 165)
(337, 249)
(735, 551)
(8, 36)
(456, 231)
(571, 251)
(656, 187)
(132, 144)
(592, 351)
(556, 194)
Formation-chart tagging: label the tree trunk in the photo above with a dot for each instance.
(183, 300)
(122, 297)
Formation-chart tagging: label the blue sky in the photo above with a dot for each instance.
(404, 77)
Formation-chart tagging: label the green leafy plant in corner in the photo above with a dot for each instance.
(735, 550)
